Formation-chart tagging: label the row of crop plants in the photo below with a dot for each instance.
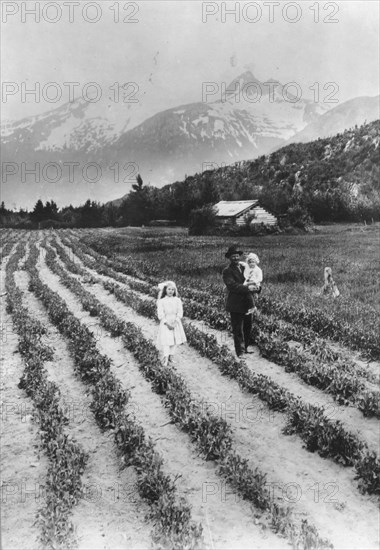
(9, 241)
(7, 249)
(170, 514)
(339, 378)
(324, 324)
(67, 459)
(211, 434)
(6, 234)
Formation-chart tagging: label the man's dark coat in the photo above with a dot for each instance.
(237, 293)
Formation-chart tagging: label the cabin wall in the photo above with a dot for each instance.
(262, 216)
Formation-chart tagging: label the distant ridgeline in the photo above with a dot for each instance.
(328, 180)
(331, 179)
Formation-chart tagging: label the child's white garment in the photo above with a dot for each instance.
(169, 309)
(330, 286)
(252, 275)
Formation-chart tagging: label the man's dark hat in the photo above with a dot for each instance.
(233, 250)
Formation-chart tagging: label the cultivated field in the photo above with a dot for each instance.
(103, 447)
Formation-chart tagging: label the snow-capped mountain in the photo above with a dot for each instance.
(80, 125)
(273, 100)
(243, 120)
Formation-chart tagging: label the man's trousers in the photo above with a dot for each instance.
(241, 330)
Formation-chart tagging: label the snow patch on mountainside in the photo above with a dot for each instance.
(201, 119)
(60, 136)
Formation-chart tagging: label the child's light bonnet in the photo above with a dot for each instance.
(253, 256)
(163, 285)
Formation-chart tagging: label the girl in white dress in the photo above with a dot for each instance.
(330, 286)
(170, 313)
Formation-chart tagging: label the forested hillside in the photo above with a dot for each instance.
(332, 179)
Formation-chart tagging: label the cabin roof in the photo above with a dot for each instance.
(234, 208)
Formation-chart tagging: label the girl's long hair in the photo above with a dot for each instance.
(162, 289)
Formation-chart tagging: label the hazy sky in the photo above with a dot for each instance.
(169, 51)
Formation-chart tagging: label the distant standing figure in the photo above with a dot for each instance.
(237, 303)
(253, 276)
(330, 287)
(170, 313)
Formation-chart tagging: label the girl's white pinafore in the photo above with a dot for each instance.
(170, 309)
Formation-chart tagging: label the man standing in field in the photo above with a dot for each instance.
(237, 303)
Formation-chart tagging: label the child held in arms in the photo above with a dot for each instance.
(170, 313)
(253, 276)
